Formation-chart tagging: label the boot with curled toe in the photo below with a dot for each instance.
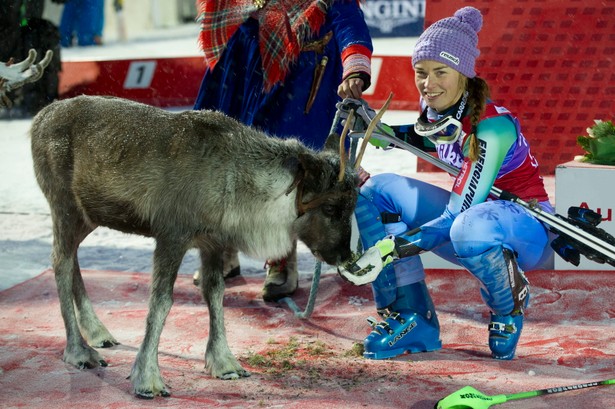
(282, 277)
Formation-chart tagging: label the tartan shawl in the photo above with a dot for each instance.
(284, 27)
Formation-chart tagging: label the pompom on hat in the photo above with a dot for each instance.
(452, 41)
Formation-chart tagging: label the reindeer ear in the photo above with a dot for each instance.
(293, 164)
(316, 169)
(309, 163)
(332, 143)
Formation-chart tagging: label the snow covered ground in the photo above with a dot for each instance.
(25, 225)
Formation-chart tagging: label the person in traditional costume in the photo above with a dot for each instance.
(281, 66)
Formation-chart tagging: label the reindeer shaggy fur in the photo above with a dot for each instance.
(189, 179)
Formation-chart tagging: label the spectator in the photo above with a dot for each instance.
(82, 22)
(282, 69)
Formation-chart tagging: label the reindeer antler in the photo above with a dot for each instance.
(370, 130)
(343, 154)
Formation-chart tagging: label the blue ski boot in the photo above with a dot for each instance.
(504, 333)
(505, 290)
(410, 325)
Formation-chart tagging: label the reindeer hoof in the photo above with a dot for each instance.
(150, 395)
(145, 395)
(231, 376)
(89, 365)
(109, 344)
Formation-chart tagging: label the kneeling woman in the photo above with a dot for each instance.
(495, 240)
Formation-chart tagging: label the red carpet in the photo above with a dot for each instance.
(568, 339)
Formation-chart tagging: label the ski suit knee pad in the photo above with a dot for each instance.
(504, 287)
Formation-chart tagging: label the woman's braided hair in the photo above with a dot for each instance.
(479, 93)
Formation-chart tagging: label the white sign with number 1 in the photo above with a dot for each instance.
(140, 74)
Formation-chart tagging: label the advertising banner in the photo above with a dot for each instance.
(394, 18)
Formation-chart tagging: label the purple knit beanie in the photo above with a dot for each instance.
(452, 41)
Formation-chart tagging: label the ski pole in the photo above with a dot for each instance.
(470, 398)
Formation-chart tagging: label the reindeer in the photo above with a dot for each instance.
(13, 76)
(188, 179)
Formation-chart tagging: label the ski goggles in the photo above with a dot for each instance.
(444, 131)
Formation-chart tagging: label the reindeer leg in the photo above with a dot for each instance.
(145, 376)
(69, 230)
(92, 329)
(219, 360)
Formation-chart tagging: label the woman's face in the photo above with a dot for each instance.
(439, 85)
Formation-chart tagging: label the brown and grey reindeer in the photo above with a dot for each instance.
(188, 179)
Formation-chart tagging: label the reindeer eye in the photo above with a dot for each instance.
(328, 210)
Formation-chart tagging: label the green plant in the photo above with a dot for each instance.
(599, 144)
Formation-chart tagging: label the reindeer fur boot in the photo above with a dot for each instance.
(282, 277)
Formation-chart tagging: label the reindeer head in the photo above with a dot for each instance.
(327, 188)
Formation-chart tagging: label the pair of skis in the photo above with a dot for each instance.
(573, 228)
(578, 234)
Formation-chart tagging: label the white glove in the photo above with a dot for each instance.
(367, 267)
